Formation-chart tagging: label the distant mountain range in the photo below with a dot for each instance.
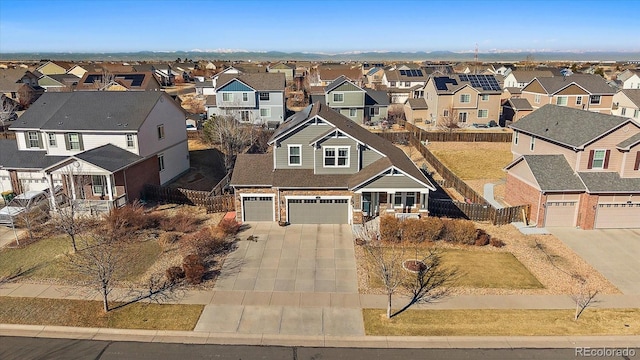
(502, 56)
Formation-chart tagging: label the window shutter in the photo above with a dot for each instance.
(26, 139)
(40, 142)
(606, 159)
(66, 141)
(80, 141)
(590, 164)
(637, 165)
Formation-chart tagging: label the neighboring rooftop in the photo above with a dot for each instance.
(257, 81)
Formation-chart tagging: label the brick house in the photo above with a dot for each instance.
(576, 168)
(101, 146)
(326, 169)
(579, 91)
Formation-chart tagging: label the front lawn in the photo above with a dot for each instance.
(60, 312)
(502, 322)
(477, 269)
(46, 259)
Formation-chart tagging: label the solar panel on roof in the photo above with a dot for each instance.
(403, 72)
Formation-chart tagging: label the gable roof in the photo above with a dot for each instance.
(253, 170)
(609, 182)
(9, 79)
(401, 75)
(376, 97)
(593, 84)
(633, 95)
(257, 81)
(327, 74)
(339, 81)
(568, 126)
(552, 172)
(525, 76)
(109, 157)
(396, 156)
(629, 143)
(131, 81)
(90, 110)
(452, 83)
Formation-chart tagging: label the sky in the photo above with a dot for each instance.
(318, 26)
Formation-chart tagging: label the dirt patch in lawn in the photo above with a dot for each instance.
(207, 168)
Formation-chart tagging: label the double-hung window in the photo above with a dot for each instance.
(536, 99)
(462, 117)
(74, 141)
(483, 113)
(130, 143)
(245, 97)
(594, 99)
(465, 98)
(295, 155)
(264, 96)
(532, 143)
(623, 111)
(579, 100)
(352, 112)
(227, 97)
(160, 132)
(336, 156)
(97, 184)
(33, 139)
(484, 97)
(52, 140)
(374, 111)
(265, 112)
(338, 97)
(598, 159)
(160, 162)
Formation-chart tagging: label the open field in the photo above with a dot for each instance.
(502, 322)
(36, 311)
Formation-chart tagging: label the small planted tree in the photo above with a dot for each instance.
(584, 296)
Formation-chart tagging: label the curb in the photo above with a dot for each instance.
(419, 342)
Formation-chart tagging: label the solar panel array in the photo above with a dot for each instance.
(411, 73)
(486, 82)
(136, 79)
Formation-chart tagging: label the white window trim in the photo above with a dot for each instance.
(354, 111)
(133, 142)
(536, 99)
(466, 117)
(335, 148)
(403, 195)
(268, 97)
(532, 143)
(268, 111)
(515, 137)
(604, 156)
(334, 97)
(245, 96)
(465, 96)
(161, 133)
(29, 139)
(484, 97)
(102, 185)
(595, 103)
(161, 165)
(289, 154)
(229, 94)
(71, 143)
(486, 112)
(578, 100)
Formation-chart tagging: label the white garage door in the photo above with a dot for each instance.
(318, 211)
(618, 216)
(560, 213)
(257, 208)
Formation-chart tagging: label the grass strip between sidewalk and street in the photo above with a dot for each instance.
(493, 322)
(82, 313)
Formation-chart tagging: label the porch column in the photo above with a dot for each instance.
(109, 189)
(52, 193)
(72, 182)
(424, 202)
(390, 199)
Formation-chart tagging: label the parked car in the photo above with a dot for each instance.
(30, 203)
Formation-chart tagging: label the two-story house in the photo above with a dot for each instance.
(402, 82)
(283, 68)
(325, 169)
(628, 79)
(581, 91)
(626, 102)
(464, 98)
(520, 78)
(358, 104)
(576, 168)
(252, 98)
(102, 146)
(134, 81)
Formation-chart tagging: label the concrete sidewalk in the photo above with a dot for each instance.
(433, 342)
(321, 300)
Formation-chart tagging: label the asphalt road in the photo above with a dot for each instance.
(24, 348)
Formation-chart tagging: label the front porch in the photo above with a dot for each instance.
(369, 205)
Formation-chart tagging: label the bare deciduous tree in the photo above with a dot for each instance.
(430, 282)
(449, 121)
(99, 258)
(7, 111)
(584, 296)
(67, 217)
(230, 134)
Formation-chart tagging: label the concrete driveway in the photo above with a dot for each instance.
(615, 253)
(302, 258)
(7, 235)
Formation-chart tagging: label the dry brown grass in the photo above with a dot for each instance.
(474, 161)
(61, 312)
(502, 322)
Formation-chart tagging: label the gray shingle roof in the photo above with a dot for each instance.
(628, 143)
(419, 103)
(12, 158)
(210, 100)
(633, 95)
(109, 157)
(594, 84)
(553, 173)
(337, 82)
(305, 178)
(566, 125)
(525, 76)
(514, 90)
(258, 81)
(90, 110)
(376, 97)
(601, 182)
(318, 98)
(520, 104)
(253, 170)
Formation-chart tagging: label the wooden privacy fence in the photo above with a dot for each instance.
(398, 137)
(478, 212)
(457, 136)
(221, 203)
(451, 179)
